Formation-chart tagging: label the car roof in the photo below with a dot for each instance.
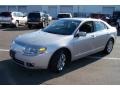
(64, 13)
(83, 19)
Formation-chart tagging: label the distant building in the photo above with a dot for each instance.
(76, 10)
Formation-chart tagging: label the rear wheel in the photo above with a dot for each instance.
(109, 46)
(58, 61)
(29, 26)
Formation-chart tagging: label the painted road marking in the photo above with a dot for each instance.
(4, 50)
(97, 57)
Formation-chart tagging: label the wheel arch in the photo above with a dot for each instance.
(113, 38)
(67, 50)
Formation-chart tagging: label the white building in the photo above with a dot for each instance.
(80, 10)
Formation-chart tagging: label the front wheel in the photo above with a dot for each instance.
(109, 47)
(29, 26)
(58, 61)
(117, 26)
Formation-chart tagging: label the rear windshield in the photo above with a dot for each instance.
(34, 15)
(5, 14)
(63, 15)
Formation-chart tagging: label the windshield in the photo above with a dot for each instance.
(62, 27)
(63, 15)
(34, 15)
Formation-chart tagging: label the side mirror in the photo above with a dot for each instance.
(80, 34)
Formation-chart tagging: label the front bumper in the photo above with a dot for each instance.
(32, 62)
(34, 23)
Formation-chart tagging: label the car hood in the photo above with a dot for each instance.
(40, 38)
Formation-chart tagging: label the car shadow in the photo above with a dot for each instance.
(10, 73)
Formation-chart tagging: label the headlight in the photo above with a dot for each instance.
(29, 51)
(42, 50)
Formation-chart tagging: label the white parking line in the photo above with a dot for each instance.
(97, 57)
(4, 50)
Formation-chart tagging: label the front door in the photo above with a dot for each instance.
(100, 35)
(83, 45)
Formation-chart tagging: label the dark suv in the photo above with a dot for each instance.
(116, 19)
(37, 19)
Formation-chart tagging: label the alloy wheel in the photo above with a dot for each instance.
(61, 62)
(110, 46)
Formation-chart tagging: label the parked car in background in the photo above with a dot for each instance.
(61, 42)
(64, 15)
(37, 19)
(115, 20)
(13, 18)
(104, 17)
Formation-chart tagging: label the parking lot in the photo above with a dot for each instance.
(94, 69)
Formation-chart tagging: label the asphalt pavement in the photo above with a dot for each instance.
(97, 69)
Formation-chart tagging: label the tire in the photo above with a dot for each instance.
(17, 24)
(44, 24)
(29, 26)
(109, 46)
(3, 25)
(58, 61)
(117, 26)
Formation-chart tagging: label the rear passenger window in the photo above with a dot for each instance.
(100, 26)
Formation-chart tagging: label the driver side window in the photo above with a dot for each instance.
(87, 27)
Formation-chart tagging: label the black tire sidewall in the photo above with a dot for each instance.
(29, 26)
(54, 61)
(106, 48)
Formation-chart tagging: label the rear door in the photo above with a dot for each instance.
(100, 35)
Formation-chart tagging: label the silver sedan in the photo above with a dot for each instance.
(63, 41)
